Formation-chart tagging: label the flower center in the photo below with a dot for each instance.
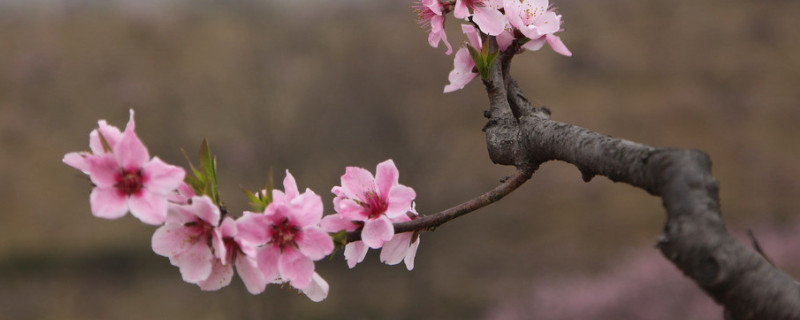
(231, 249)
(283, 233)
(129, 181)
(374, 205)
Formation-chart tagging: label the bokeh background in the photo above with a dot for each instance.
(313, 86)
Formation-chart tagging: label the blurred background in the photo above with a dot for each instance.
(313, 86)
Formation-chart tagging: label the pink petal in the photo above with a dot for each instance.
(504, 40)
(290, 186)
(354, 252)
(130, 151)
(108, 203)
(557, 45)
(103, 170)
(204, 208)
(411, 254)
(386, 176)
(77, 160)
(490, 20)
(148, 207)
(356, 182)
(314, 243)
(336, 223)
(194, 263)
(295, 268)
(473, 37)
(162, 178)
(438, 34)
(317, 290)
(377, 231)
(400, 198)
(351, 210)
(267, 259)
(433, 5)
(171, 240)
(547, 23)
(252, 228)
(111, 134)
(251, 276)
(462, 71)
(218, 244)
(534, 44)
(395, 250)
(307, 209)
(220, 276)
(461, 11)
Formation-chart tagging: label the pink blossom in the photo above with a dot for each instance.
(538, 23)
(185, 239)
(403, 246)
(317, 290)
(485, 13)
(124, 175)
(429, 15)
(463, 65)
(371, 202)
(287, 237)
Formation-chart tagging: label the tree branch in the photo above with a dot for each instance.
(694, 237)
(431, 222)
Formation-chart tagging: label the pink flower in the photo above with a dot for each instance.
(373, 200)
(230, 251)
(185, 239)
(287, 236)
(403, 246)
(485, 13)
(124, 175)
(463, 65)
(538, 23)
(429, 15)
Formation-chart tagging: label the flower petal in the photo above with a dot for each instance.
(557, 45)
(251, 276)
(317, 290)
(103, 170)
(267, 259)
(290, 186)
(108, 203)
(130, 151)
(354, 252)
(171, 240)
(336, 223)
(400, 199)
(219, 277)
(148, 207)
(77, 160)
(295, 268)
(490, 20)
(395, 250)
(386, 176)
(307, 209)
(462, 73)
(411, 254)
(377, 231)
(111, 134)
(356, 182)
(194, 263)
(314, 243)
(160, 177)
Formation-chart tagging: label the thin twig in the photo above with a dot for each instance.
(430, 222)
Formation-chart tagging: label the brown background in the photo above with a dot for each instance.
(314, 87)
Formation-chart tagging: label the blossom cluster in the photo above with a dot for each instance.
(532, 23)
(278, 243)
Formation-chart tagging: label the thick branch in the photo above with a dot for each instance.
(694, 237)
(430, 222)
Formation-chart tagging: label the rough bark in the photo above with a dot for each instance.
(694, 238)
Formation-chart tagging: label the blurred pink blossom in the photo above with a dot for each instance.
(124, 175)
